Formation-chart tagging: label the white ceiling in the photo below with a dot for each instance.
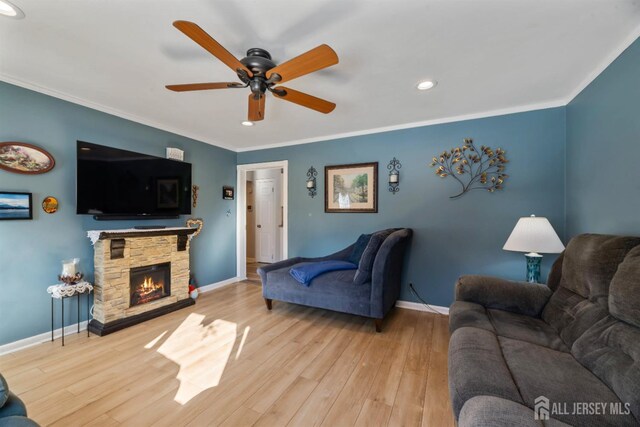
(489, 56)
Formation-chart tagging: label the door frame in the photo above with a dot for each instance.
(241, 212)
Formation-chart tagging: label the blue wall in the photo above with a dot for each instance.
(603, 151)
(30, 251)
(452, 237)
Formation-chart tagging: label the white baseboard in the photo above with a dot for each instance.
(40, 338)
(421, 307)
(221, 284)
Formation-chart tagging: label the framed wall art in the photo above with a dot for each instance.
(15, 205)
(351, 188)
(20, 157)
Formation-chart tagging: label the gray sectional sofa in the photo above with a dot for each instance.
(573, 345)
(379, 271)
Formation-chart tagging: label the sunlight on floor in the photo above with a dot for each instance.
(202, 352)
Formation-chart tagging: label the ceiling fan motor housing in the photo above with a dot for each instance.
(258, 61)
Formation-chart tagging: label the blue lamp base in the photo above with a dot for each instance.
(533, 267)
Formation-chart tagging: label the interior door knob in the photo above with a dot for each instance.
(259, 226)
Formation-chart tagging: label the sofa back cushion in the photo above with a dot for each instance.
(588, 266)
(624, 294)
(363, 275)
(4, 391)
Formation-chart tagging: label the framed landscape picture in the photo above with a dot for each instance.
(20, 157)
(15, 205)
(351, 188)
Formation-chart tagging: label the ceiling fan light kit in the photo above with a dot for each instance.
(261, 74)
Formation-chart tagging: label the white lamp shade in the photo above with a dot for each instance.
(534, 234)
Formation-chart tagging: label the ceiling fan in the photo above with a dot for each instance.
(259, 73)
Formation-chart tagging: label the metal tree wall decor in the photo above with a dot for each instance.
(474, 169)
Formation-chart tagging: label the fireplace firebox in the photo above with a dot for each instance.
(149, 283)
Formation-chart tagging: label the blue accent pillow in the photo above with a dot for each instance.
(363, 275)
(358, 248)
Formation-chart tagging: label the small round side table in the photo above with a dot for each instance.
(63, 291)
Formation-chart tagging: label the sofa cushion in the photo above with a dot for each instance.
(363, 275)
(611, 350)
(624, 296)
(505, 324)
(558, 376)
(588, 266)
(334, 290)
(17, 421)
(13, 406)
(4, 391)
(490, 411)
(358, 248)
(477, 368)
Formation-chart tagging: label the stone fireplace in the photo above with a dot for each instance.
(139, 274)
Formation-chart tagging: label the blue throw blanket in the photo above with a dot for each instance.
(305, 272)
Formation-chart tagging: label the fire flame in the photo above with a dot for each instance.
(149, 285)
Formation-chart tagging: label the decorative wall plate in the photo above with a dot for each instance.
(20, 157)
(50, 205)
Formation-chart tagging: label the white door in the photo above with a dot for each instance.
(265, 201)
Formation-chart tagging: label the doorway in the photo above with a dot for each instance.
(262, 219)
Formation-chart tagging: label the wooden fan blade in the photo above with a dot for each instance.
(203, 86)
(315, 59)
(200, 36)
(256, 108)
(305, 100)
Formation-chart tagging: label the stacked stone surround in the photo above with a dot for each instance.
(111, 289)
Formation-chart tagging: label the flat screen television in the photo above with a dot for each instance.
(120, 184)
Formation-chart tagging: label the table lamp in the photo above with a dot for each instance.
(534, 235)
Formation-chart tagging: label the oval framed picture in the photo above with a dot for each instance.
(20, 157)
(50, 205)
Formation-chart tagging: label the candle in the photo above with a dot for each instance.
(69, 267)
(393, 178)
(311, 184)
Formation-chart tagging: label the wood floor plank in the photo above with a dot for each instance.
(373, 413)
(229, 361)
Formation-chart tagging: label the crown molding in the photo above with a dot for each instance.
(473, 116)
(112, 111)
(628, 41)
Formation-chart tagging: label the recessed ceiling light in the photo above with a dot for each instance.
(9, 10)
(426, 84)
(247, 123)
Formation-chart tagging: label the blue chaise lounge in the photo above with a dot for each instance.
(371, 290)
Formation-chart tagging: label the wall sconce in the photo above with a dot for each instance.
(394, 175)
(311, 181)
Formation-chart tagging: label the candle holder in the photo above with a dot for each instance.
(71, 280)
(311, 181)
(394, 175)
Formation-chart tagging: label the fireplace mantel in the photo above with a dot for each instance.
(116, 253)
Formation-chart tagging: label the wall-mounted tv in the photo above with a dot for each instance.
(120, 184)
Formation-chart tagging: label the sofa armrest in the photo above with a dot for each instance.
(387, 272)
(492, 292)
(340, 255)
(262, 271)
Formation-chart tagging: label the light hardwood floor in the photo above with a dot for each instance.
(228, 361)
